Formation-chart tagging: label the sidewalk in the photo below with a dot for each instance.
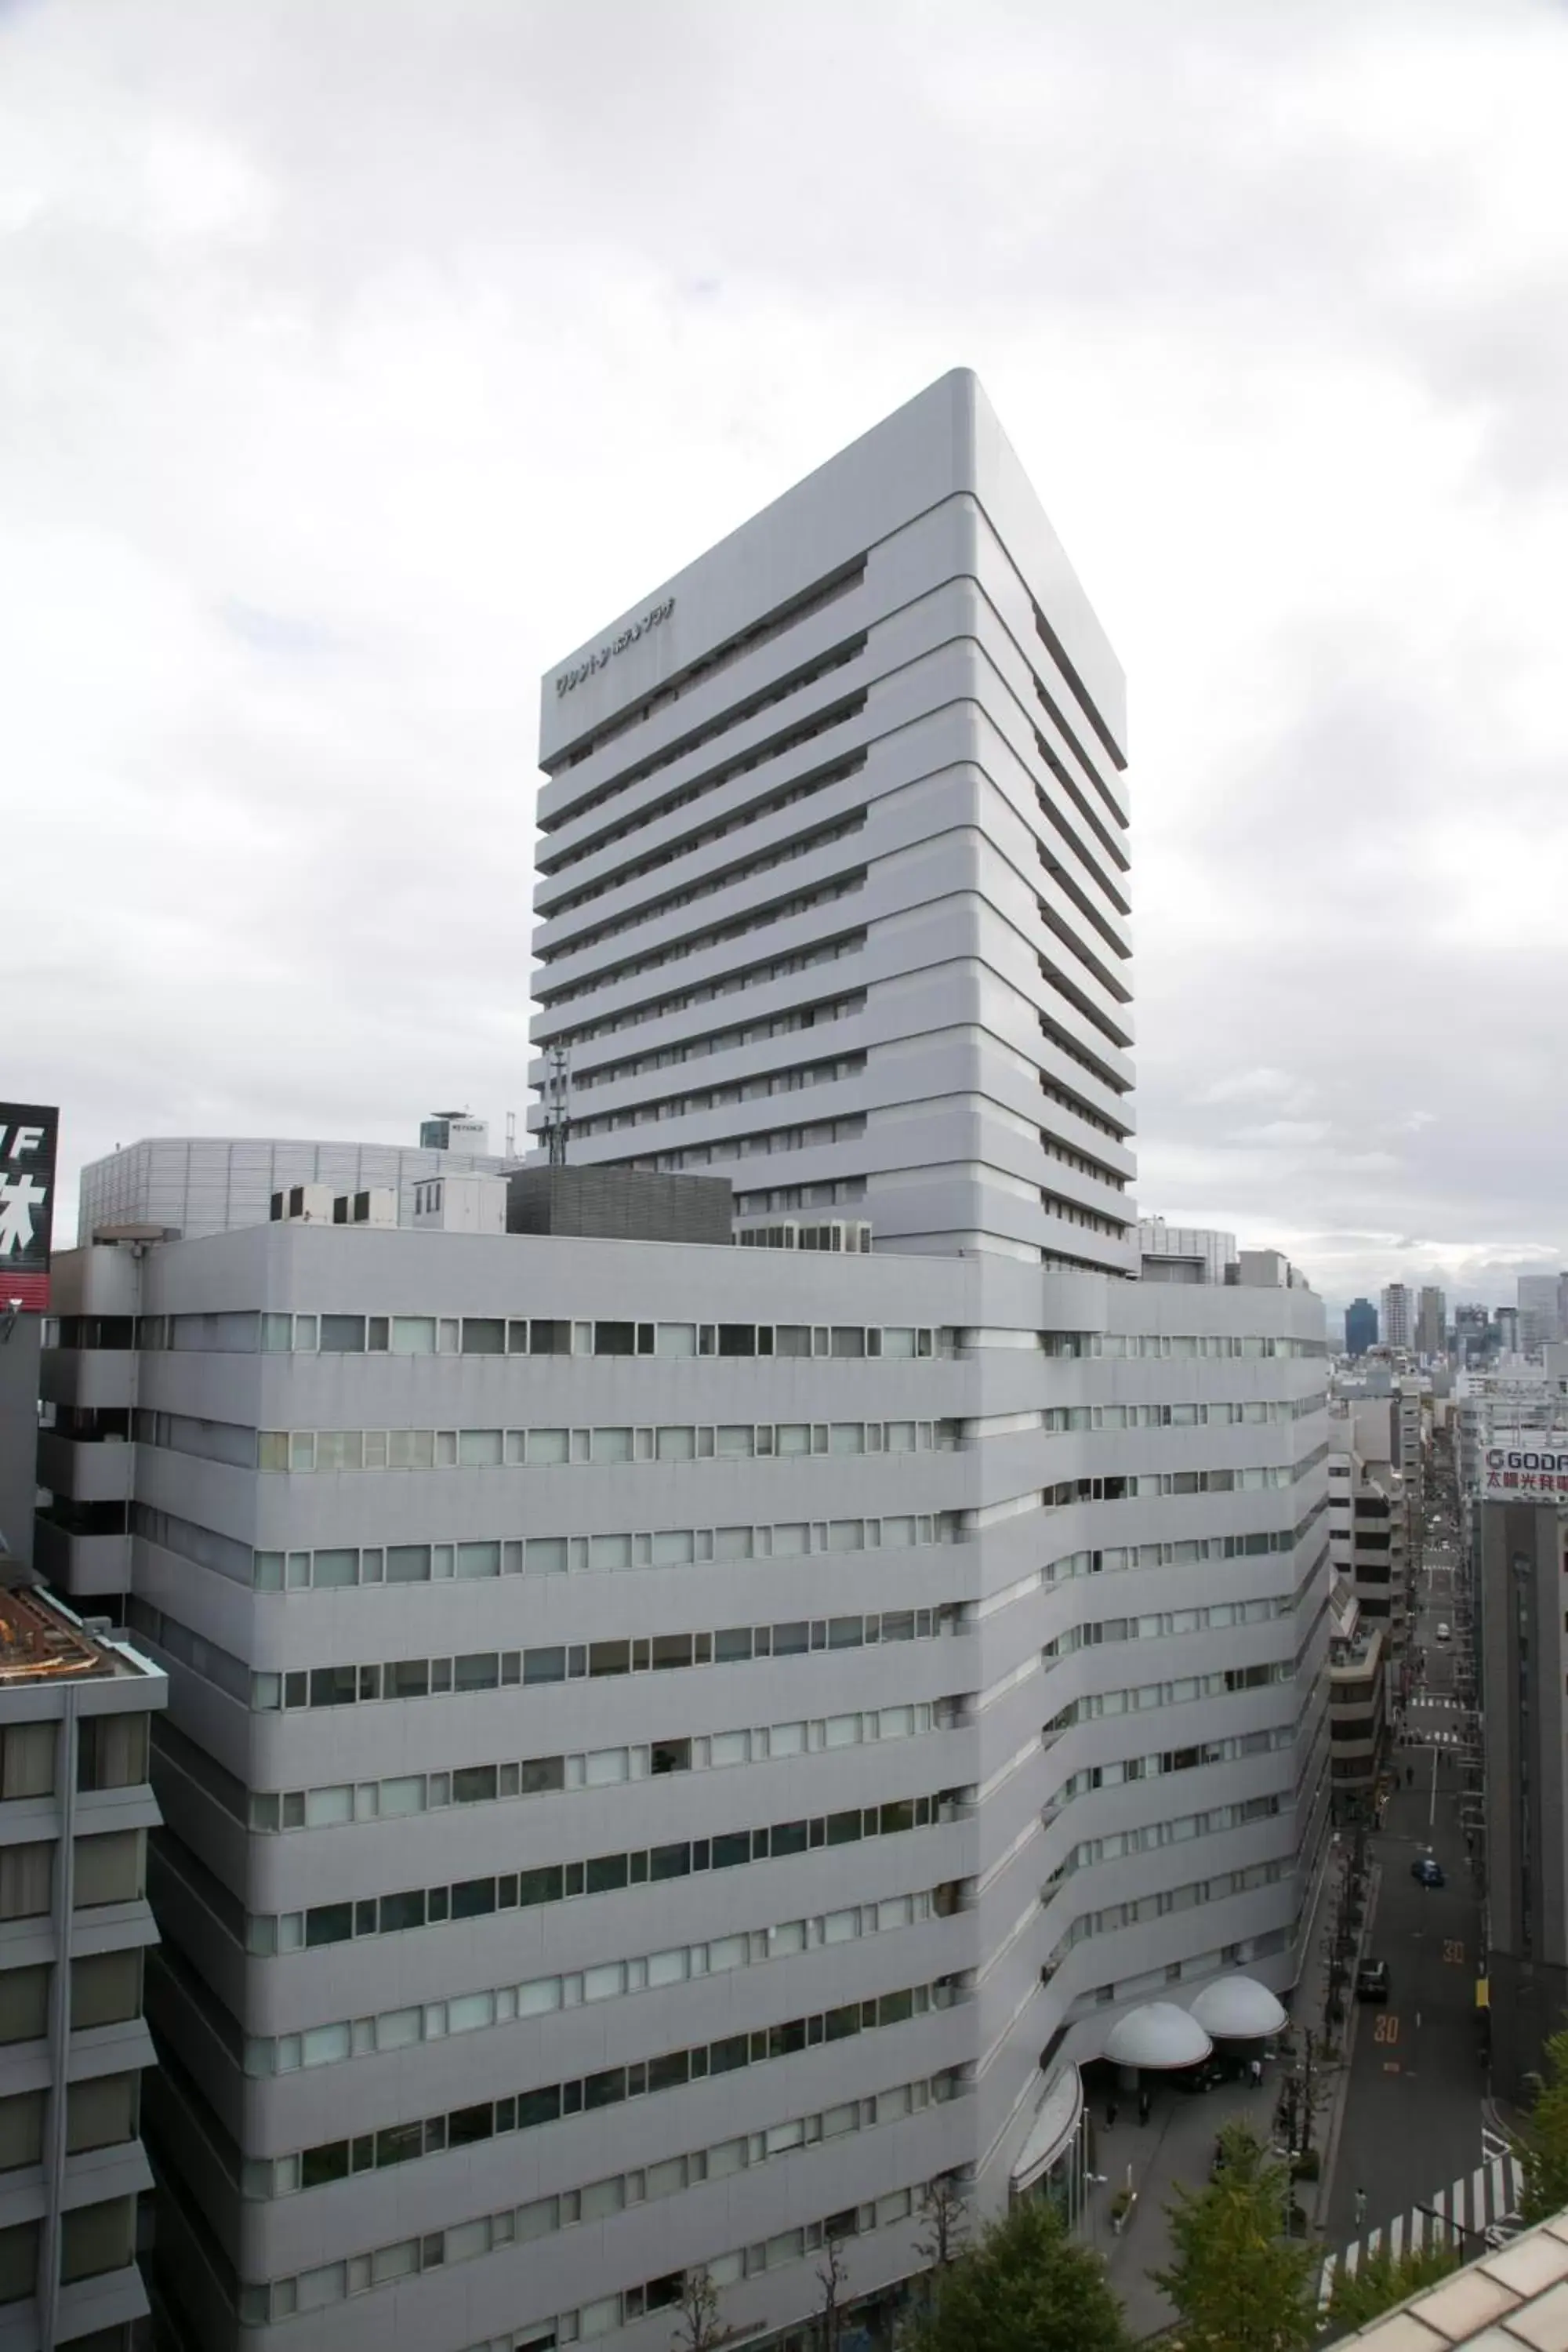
(1176, 2144)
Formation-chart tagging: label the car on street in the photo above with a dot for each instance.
(1372, 1981)
(1427, 1870)
(1445, 1632)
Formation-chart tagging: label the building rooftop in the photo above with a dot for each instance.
(42, 1642)
(1515, 2297)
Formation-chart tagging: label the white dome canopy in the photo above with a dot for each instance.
(1237, 2009)
(1157, 2035)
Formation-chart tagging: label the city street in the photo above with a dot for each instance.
(1413, 2121)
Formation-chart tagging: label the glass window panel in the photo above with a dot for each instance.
(325, 1808)
(536, 1998)
(414, 1334)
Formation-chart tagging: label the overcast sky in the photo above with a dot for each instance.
(360, 357)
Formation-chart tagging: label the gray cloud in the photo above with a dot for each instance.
(353, 361)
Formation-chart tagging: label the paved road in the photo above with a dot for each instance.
(1412, 2122)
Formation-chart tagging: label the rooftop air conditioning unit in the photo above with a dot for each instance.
(303, 1204)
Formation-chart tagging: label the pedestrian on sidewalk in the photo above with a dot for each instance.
(1360, 2206)
(1256, 2072)
(1143, 2106)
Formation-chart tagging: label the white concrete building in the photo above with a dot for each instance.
(454, 1545)
(964, 1596)
(833, 890)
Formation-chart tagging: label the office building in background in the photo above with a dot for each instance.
(964, 1593)
(1542, 1310)
(1360, 1327)
(1398, 1317)
(1431, 1322)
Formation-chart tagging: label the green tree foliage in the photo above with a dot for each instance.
(1238, 2284)
(1023, 2286)
(1543, 2149)
(1380, 2280)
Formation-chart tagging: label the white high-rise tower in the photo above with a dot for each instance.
(832, 892)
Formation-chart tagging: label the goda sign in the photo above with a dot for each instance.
(1527, 1465)
(27, 1133)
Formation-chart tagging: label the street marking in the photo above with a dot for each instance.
(1466, 2208)
(1454, 1952)
(1387, 2026)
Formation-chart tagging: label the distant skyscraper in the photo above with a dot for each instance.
(1398, 1317)
(1471, 1342)
(1360, 1327)
(1543, 1308)
(1431, 1322)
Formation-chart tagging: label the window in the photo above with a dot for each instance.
(97, 2238)
(27, 1879)
(106, 1989)
(27, 1759)
(111, 1751)
(102, 2112)
(24, 2004)
(19, 2262)
(21, 2130)
(107, 1869)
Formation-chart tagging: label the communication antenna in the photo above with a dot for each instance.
(557, 1126)
(511, 1135)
